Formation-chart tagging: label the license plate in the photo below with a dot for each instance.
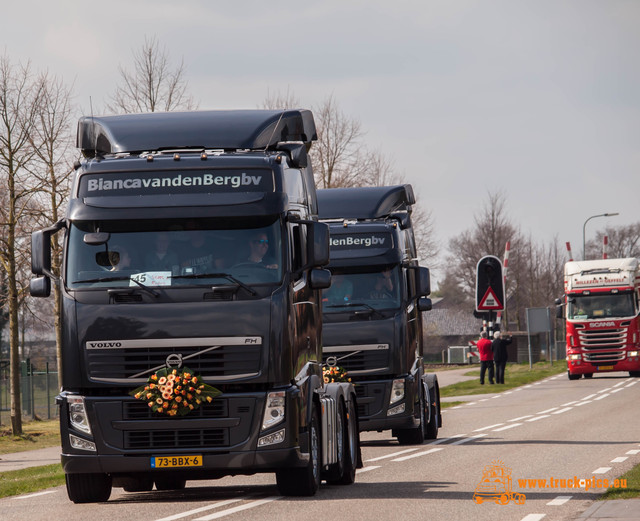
(164, 462)
(605, 368)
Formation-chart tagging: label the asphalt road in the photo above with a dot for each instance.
(552, 430)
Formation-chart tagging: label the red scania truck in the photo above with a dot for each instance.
(602, 316)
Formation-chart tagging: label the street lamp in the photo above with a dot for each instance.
(584, 226)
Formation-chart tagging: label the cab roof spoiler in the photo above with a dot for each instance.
(373, 202)
(204, 130)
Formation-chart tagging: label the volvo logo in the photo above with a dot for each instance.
(174, 360)
(332, 361)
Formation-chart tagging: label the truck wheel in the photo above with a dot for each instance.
(634, 374)
(334, 474)
(304, 481)
(414, 436)
(573, 376)
(170, 483)
(588, 375)
(431, 432)
(350, 442)
(88, 488)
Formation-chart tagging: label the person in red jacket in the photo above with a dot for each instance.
(486, 357)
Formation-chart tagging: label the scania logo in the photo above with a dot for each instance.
(603, 324)
(98, 345)
(174, 360)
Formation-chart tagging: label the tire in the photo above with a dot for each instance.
(414, 436)
(431, 430)
(304, 481)
(136, 484)
(88, 488)
(634, 374)
(573, 376)
(588, 375)
(350, 442)
(335, 472)
(169, 483)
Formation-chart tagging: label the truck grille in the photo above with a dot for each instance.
(603, 338)
(116, 364)
(171, 439)
(361, 362)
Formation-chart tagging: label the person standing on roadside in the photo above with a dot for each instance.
(499, 348)
(486, 357)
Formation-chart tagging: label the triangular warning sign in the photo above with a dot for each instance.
(489, 301)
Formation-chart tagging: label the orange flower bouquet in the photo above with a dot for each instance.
(175, 392)
(334, 374)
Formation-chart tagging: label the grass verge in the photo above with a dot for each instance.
(632, 489)
(515, 375)
(36, 435)
(34, 479)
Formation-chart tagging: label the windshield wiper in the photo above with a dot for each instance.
(353, 304)
(227, 276)
(119, 277)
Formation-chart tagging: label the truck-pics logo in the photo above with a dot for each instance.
(496, 486)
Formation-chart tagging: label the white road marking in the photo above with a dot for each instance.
(202, 509)
(460, 442)
(583, 403)
(562, 410)
(560, 500)
(539, 418)
(632, 452)
(548, 410)
(619, 459)
(507, 427)
(367, 469)
(35, 494)
(601, 470)
(619, 384)
(442, 440)
(521, 418)
(393, 455)
(589, 397)
(233, 510)
(569, 403)
(488, 427)
(631, 383)
(430, 451)
(533, 517)
(601, 397)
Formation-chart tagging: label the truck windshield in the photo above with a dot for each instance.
(376, 288)
(603, 305)
(158, 253)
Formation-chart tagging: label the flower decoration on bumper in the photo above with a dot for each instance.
(334, 374)
(175, 392)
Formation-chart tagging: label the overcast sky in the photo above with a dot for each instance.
(539, 99)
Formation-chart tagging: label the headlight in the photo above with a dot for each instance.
(631, 354)
(397, 391)
(274, 409)
(78, 414)
(575, 357)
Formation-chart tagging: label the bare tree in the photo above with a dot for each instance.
(624, 241)
(153, 85)
(280, 101)
(19, 105)
(52, 141)
(339, 157)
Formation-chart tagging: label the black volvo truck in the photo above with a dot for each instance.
(192, 247)
(373, 311)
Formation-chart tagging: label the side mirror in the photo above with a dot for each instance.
(424, 304)
(40, 287)
(320, 278)
(317, 244)
(423, 282)
(41, 252)
(559, 312)
(297, 153)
